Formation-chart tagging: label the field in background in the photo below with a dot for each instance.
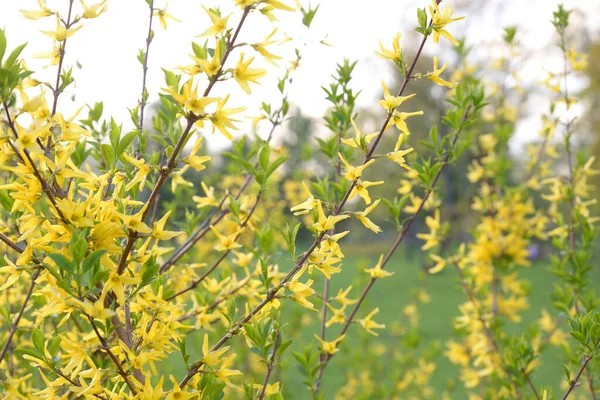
(391, 295)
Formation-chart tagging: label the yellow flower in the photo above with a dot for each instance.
(162, 15)
(61, 34)
(377, 271)
(243, 74)
(398, 119)
(211, 358)
(189, 98)
(158, 231)
(439, 266)
(360, 140)
(227, 242)
(397, 155)
(330, 347)
(208, 200)
(307, 205)
(353, 173)
(395, 54)
(439, 22)
(11, 269)
(213, 66)
(301, 292)
(142, 172)
(578, 61)
(43, 12)
(434, 75)
(220, 118)
(261, 48)
(270, 390)
(117, 283)
(390, 102)
(219, 24)
(327, 223)
(475, 172)
(196, 162)
(369, 324)
(360, 188)
(362, 217)
(94, 10)
(135, 223)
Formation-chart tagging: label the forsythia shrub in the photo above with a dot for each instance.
(108, 274)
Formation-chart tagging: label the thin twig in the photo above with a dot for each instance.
(115, 360)
(271, 366)
(15, 324)
(166, 170)
(300, 262)
(145, 68)
(586, 360)
(195, 283)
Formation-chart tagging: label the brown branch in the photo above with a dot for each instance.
(166, 170)
(115, 360)
(271, 366)
(586, 360)
(195, 283)
(298, 264)
(15, 324)
(145, 68)
(56, 90)
(10, 243)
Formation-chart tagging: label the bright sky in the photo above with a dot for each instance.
(107, 47)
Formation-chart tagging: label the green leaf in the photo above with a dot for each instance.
(2, 44)
(125, 142)
(10, 60)
(92, 259)
(63, 262)
(37, 338)
(108, 154)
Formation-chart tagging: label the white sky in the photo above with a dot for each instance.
(107, 47)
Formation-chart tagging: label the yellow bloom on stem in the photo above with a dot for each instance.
(377, 271)
(578, 61)
(61, 33)
(94, 10)
(398, 119)
(353, 173)
(211, 358)
(327, 223)
(213, 66)
(142, 172)
(279, 5)
(261, 49)
(390, 102)
(196, 162)
(224, 373)
(434, 75)
(397, 155)
(227, 242)
(270, 389)
(360, 139)
(135, 223)
(208, 200)
(189, 98)
(440, 264)
(117, 283)
(395, 54)
(362, 217)
(330, 347)
(360, 188)
(243, 74)
(338, 316)
(11, 269)
(176, 393)
(307, 205)
(43, 12)
(369, 324)
(342, 297)
(162, 15)
(300, 292)
(219, 24)
(439, 22)
(158, 231)
(220, 118)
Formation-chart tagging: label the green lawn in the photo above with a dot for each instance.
(391, 295)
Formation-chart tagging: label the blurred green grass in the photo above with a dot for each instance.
(391, 295)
